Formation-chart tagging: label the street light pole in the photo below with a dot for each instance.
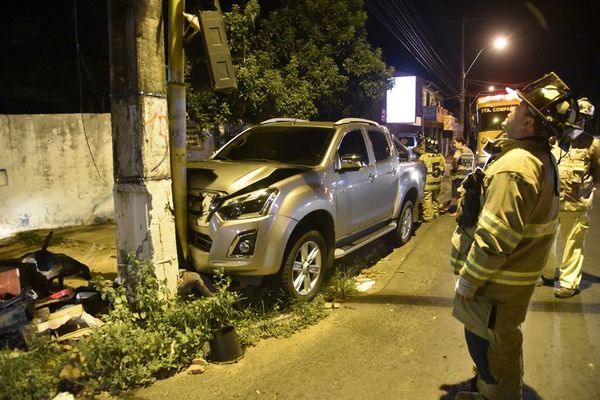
(462, 78)
(499, 43)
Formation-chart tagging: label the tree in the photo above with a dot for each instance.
(294, 58)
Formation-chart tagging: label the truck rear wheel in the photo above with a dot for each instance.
(405, 223)
(303, 267)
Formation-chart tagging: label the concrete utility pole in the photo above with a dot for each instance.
(142, 174)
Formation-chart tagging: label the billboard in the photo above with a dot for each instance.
(401, 100)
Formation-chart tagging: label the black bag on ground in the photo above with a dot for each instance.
(470, 203)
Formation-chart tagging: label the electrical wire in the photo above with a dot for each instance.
(404, 22)
(75, 25)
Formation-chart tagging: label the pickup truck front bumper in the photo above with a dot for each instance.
(252, 246)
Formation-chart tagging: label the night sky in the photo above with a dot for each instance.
(559, 36)
(40, 71)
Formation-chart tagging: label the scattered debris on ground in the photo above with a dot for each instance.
(198, 366)
(364, 285)
(32, 303)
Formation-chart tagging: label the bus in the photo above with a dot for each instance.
(491, 112)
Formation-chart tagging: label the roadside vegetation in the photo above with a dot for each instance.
(292, 58)
(148, 337)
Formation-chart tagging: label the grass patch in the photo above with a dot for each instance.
(33, 238)
(149, 336)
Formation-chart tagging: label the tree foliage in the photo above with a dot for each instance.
(293, 58)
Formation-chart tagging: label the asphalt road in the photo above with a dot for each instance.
(399, 341)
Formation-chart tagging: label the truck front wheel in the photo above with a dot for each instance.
(303, 266)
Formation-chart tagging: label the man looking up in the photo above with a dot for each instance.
(501, 251)
(579, 173)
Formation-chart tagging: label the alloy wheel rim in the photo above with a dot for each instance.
(406, 223)
(306, 268)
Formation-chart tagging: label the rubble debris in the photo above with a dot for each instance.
(70, 322)
(87, 296)
(190, 282)
(64, 396)
(198, 366)
(55, 265)
(16, 315)
(28, 306)
(365, 285)
(10, 282)
(28, 279)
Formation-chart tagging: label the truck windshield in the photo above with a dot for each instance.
(285, 144)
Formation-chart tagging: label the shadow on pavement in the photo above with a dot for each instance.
(569, 306)
(452, 389)
(587, 280)
(366, 256)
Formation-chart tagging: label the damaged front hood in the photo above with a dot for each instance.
(235, 177)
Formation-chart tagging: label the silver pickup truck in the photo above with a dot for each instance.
(287, 197)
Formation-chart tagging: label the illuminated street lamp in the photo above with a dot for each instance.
(499, 43)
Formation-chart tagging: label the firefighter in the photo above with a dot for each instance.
(462, 165)
(579, 169)
(500, 252)
(436, 166)
(419, 149)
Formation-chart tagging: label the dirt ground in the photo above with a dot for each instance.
(92, 245)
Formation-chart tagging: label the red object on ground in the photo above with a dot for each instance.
(62, 293)
(10, 282)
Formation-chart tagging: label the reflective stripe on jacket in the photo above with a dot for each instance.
(505, 252)
(435, 164)
(579, 171)
(463, 165)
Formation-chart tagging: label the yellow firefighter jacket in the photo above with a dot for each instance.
(435, 164)
(504, 253)
(463, 165)
(579, 170)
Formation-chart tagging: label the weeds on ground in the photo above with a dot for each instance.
(31, 238)
(30, 374)
(341, 286)
(149, 336)
(264, 313)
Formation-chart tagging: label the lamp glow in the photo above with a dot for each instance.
(500, 43)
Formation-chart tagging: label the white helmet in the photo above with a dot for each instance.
(585, 107)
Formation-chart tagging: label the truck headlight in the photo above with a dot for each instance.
(248, 205)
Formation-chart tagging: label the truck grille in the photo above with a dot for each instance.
(202, 204)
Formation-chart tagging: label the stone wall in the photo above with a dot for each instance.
(50, 175)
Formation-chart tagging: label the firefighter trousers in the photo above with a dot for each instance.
(431, 205)
(570, 240)
(504, 356)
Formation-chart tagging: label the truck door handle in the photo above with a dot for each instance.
(371, 177)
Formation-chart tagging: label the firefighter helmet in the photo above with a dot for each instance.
(431, 145)
(585, 107)
(420, 137)
(551, 102)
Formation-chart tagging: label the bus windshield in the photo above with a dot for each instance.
(491, 118)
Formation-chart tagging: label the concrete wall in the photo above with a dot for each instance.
(47, 173)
